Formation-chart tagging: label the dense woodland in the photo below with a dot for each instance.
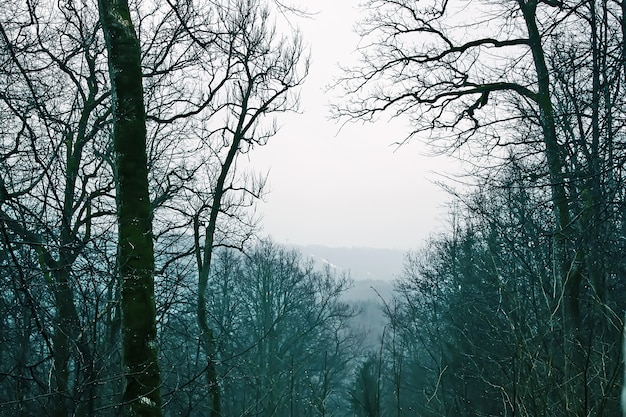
(133, 278)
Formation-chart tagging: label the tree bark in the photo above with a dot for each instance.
(569, 265)
(624, 36)
(135, 247)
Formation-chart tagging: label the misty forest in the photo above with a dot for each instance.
(134, 277)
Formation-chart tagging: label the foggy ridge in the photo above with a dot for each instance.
(362, 263)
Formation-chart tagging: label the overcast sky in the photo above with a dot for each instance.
(350, 187)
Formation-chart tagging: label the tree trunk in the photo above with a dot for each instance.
(569, 267)
(624, 36)
(142, 395)
(204, 257)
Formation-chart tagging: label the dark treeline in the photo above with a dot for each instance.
(516, 311)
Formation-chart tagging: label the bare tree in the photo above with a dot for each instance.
(142, 394)
(245, 73)
(498, 85)
(213, 72)
(53, 187)
(287, 348)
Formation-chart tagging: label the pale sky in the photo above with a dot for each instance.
(350, 187)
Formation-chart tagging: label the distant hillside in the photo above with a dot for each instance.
(362, 263)
(373, 272)
(369, 290)
(367, 297)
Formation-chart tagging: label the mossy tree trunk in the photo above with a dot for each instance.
(135, 247)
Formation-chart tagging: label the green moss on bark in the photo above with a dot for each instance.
(135, 248)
